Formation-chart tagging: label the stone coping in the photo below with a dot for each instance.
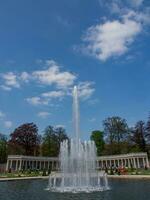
(109, 176)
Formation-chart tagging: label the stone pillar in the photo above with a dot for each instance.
(52, 165)
(32, 164)
(129, 164)
(7, 165)
(48, 164)
(26, 164)
(110, 163)
(40, 166)
(122, 163)
(106, 163)
(20, 165)
(134, 161)
(125, 162)
(36, 164)
(143, 162)
(138, 162)
(118, 162)
(147, 162)
(16, 168)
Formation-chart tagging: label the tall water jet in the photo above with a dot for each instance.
(77, 162)
(76, 113)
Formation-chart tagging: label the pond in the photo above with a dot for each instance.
(35, 190)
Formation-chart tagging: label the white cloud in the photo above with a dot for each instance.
(43, 114)
(86, 90)
(121, 3)
(48, 76)
(10, 80)
(111, 38)
(136, 3)
(2, 115)
(37, 101)
(53, 75)
(92, 119)
(54, 94)
(8, 124)
(25, 76)
(6, 88)
(60, 126)
(44, 98)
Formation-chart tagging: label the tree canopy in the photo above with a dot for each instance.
(51, 140)
(3, 148)
(97, 137)
(25, 139)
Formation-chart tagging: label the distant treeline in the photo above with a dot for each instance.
(115, 138)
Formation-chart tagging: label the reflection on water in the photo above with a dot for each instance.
(35, 190)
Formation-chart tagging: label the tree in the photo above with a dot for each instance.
(147, 131)
(52, 139)
(138, 136)
(3, 148)
(25, 139)
(97, 137)
(115, 129)
(61, 135)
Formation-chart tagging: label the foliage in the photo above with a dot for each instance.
(138, 136)
(116, 131)
(97, 137)
(52, 139)
(25, 140)
(3, 148)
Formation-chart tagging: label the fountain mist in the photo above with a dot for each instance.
(77, 162)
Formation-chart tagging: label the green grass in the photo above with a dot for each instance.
(27, 173)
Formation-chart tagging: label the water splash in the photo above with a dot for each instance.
(77, 163)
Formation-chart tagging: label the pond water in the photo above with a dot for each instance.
(35, 190)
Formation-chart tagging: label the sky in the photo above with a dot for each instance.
(47, 47)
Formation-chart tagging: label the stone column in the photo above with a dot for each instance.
(40, 165)
(36, 164)
(122, 163)
(20, 165)
(118, 162)
(7, 165)
(33, 164)
(125, 162)
(52, 165)
(138, 162)
(129, 164)
(110, 164)
(106, 163)
(143, 162)
(115, 163)
(134, 161)
(26, 165)
(147, 162)
(16, 168)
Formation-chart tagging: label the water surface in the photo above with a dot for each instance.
(34, 190)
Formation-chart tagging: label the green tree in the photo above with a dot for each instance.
(138, 136)
(97, 137)
(3, 148)
(25, 140)
(116, 131)
(51, 140)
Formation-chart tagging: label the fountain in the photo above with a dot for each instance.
(77, 163)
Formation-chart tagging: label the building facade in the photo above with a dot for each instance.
(132, 160)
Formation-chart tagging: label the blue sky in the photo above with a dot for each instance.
(48, 46)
